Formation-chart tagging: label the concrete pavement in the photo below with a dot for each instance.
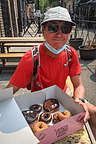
(89, 79)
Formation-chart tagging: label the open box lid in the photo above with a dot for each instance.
(13, 127)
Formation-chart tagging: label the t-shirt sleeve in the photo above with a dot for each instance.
(22, 76)
(75, 67)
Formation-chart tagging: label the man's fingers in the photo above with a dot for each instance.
(87, 115)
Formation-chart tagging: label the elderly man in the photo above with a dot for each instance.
(57, 60)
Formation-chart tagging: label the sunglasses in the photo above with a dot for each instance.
(54, 27)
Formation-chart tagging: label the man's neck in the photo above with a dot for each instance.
(50, 53)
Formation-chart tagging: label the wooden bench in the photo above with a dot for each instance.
(10, 65)
(7, 46)
(15, 42)
(19, 42)
(11, 55)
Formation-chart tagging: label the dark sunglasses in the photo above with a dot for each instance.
(54, 27)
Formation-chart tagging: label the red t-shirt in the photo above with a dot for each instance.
(52, 71)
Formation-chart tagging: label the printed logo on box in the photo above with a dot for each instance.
(41, 136)
(61, 131)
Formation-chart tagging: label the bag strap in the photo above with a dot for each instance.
(69, 55)
(36, 63)
(35, 59)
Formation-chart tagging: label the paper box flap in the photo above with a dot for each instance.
(68, 102)
(13, 126)
(60, 130)
(64, 99)
(25, 100)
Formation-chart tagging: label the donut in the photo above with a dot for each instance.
(30, 116)
(36, 108)
(51, 105)
(55, 118)
(45, 117)
(61, 116)
(38, 126)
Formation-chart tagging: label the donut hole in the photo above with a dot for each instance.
(41, 126)
(46, 115)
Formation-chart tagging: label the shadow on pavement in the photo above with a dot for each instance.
(93, 77)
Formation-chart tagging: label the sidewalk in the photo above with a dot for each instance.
(89, 79)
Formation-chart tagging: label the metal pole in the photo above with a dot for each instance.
(38, 8)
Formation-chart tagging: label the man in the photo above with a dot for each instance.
(57, 60)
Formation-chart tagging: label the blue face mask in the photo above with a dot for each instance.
(54, 50)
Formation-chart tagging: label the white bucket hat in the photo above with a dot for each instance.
(57, 13)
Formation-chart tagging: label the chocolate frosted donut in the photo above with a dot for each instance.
(45, 117)
(36, 108)
(51, 105)
(30, 116)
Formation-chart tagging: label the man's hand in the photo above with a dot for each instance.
(15, 88)
(87, 115)
(91, 108)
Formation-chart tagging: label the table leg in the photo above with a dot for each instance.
(3, 51)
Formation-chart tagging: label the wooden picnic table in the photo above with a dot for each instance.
(21, 39)
(16, 42)
(19, 42)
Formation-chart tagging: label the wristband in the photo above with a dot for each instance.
(83, 100)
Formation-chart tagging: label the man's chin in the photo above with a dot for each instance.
(58, 46)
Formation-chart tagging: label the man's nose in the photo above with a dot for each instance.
(59, 31)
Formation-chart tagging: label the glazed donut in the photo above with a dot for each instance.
(51, 105)
(38, 126)
(45, 117)
(61, 116)
(30, 116)
(36, 108)
(55, 118)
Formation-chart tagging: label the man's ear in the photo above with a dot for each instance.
(43, 29)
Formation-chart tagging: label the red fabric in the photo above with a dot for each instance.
(51, 71)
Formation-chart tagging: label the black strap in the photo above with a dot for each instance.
(35, 67)
(36, 63)
(69, 55)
